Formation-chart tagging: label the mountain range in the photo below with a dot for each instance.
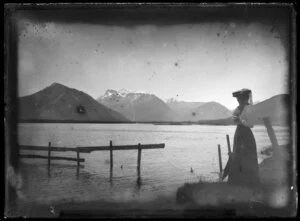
(148, 107)
(141, 107)
(61, 103)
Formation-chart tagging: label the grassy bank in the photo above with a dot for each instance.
(273, 197)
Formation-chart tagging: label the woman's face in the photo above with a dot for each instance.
(242, 100)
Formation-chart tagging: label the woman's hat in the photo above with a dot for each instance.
(243, 91)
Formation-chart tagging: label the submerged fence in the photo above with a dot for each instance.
(139, 147)
(87, 149)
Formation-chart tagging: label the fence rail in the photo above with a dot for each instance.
(120, 147)
(88, 149)
(45, 148)
(52, 157)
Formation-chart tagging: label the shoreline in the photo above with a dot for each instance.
(167, 206)
(184, 123)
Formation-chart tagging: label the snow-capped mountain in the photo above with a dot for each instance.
(113, 93)
(123, 92)
(110, 93)
(138, 106)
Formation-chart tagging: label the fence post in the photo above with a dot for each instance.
(139, 159)
(220, 158)
(78, 159)
(111, 154)
(228, 145)
(49, 153)
(271, 132)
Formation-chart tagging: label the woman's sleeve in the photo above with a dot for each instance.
(247, 117)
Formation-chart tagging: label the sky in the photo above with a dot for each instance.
(204, 61)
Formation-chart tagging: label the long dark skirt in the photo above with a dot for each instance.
(243, 168)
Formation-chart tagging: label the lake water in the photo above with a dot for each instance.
(162, 170)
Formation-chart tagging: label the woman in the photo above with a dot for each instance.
(242, 168)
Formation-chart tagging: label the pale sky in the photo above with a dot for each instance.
(188, 62)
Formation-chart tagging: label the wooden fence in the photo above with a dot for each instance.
(111, 148)
(87, 149)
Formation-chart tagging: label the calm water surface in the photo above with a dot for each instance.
(162, 170)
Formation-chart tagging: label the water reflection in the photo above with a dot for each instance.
(137, 188)
(139, 182)
(138, 172)
(48, 171)
(77, 173)
(58, 167)
(111, 177)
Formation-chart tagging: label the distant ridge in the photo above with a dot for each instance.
(195, 111)
(276, 108)
(61, 103)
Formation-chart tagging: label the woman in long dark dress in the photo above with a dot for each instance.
(243, 164)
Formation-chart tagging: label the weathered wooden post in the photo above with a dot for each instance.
(78, 159)
(49, 153)
(271, 132)
(139, 159)
(227, 166)
(111, 154)
(111, 163)
(228, 144)
(78, 162)
(220, 158)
